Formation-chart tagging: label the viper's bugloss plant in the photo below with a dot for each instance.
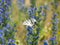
(54, 29)
(33, 34)
(6, 30)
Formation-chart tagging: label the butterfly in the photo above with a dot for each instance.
(29, 22)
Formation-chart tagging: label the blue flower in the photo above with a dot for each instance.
(55, 14)
(41, 7)
(45, 42)
(0, 12)
(2, 1)
(2, 44)
(8, 2)
(11, 44)
(7, 31)
(11, 40)
(29, 33)
(32, 11)
(1, 19)
(1, 33)
(6, 16)
(54, 32)
(30, 42)
(8, 26)
(38, 30)
(33, 17)
(43, 13)
(29, 28)
(53, 38)
(2, 9)
(6, 6)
